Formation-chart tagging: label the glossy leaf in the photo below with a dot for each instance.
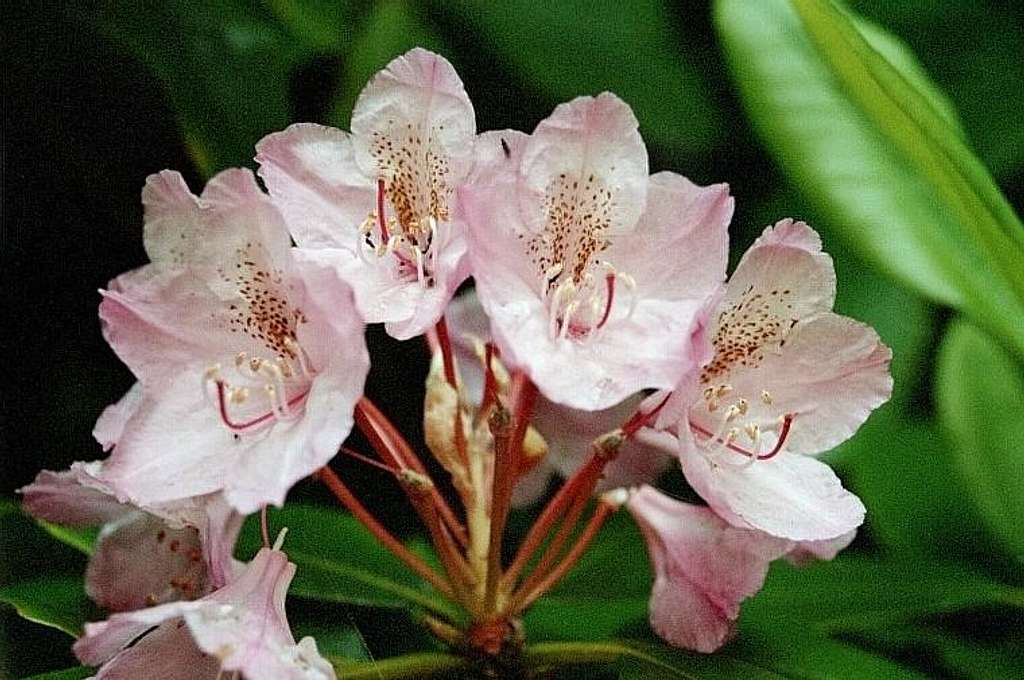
(853, 591)
(981, 401)
(55, 601)
(567, 49)
(340, 561)
(846, 163)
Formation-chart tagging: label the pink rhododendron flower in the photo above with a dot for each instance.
(703, 568)
(177, 551)
(250, 360)
(591, 272)
(789, 378)
(239, 628)
(378, 203)
(568, 432)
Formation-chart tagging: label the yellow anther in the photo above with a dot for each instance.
(766, 397)
(753, 432)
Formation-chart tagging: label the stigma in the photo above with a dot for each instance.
(262, 392)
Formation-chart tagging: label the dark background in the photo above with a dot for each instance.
(85, 121)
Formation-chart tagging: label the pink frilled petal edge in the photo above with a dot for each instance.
(704, 568)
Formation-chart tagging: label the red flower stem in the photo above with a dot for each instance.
(264, 527)
(508, 450)
(525, 598)
(396, 452)
(366, 459)
(452, 560)
(445, 343)
(490, 395)
(640, 419)
(554, 548)
(581, 483)
(348, 499)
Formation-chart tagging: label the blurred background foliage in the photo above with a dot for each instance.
(879, 137)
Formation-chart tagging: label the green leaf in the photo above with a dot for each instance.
(81, 539)
(55, 601)
(877, 180)
(340, 561)
(853, 591)
(968, 46)
(570, 48)
(771, 657)
(606, 592)
(225, 67)
(421, 665)
(956, 656)
(66, 674)
(980, 395)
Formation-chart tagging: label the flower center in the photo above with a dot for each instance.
(578, 285)
(739, 430)
(265, 387)
(414, 180)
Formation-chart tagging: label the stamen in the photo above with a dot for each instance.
(419, 264)
(766, 397)
(785, 425)
(280, 538)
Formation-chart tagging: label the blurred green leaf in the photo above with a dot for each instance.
(952, 654)
(566, 49)
(974, 50)
(67, 674)
(853, 592)
(225, 67)
(893, 210)
(981, 402)
(327, 25)
(340, 561)
(55, 601)
(411, 666)
(774, 656)
(390, 29)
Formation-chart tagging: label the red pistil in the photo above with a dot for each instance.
(384, 235)
(640, 419)
(222, 404)
(787, 422)
(610, 283)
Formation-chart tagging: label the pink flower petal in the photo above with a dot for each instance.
(313, 179)
(831, 374)
(61, 497)
(207, 421)
(809, 551)
(789, 496)
(139, 561)
(590, 144)
(241, 627)
(418, 103)
(110, 425)
(703, 569)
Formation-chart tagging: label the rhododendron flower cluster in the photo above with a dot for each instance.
(603, 345)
